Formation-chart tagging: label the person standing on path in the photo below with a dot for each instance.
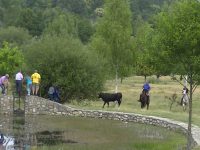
(19, 79)
(36, 79)
(28, 84)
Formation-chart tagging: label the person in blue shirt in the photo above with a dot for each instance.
(146, 88)
(28, 84)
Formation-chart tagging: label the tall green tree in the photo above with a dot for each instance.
(179, 33)
(9, 11)
(144, 65)
(11, 59)
(113, 36)
(63, 25)
(32, 20)
(64, 62)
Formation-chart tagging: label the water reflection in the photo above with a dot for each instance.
(42, 132)
(6, 142)
(20, 133)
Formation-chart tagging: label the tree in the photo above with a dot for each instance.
(63, 61)
(85, 29)
(62, 25)
(9, 11)
(113, 36)
(11, 59)
(144, 65)
(14, 35)
(32, 21)
(179, 33)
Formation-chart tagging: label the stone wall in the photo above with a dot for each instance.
(6, 105)
(38, 105)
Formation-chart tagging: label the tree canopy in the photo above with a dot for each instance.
(114, 33)
(11, 59)
(178, 30)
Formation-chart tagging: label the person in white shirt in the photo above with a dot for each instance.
(19, 78)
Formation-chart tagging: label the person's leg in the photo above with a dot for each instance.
(2, 89)
(28, 89)
(50, 96)
(17, 87)
(33, 89)
(20, 87)
(36, 89)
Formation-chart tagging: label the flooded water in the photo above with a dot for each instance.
(73, 133)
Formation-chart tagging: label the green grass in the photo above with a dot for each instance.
(159, 106)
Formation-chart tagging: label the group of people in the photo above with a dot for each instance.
(32, 83)
(146, 88)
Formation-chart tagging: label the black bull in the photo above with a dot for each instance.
(111, 97)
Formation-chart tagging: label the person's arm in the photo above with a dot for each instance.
(5, 82)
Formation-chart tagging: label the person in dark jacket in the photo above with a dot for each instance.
(56, 94)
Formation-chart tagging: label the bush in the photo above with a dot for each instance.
(65, 63)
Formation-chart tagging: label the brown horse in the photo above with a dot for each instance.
(144, 99)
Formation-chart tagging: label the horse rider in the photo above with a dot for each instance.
(185, 90)
(184, 99)
(146, 88)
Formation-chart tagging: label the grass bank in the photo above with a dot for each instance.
(159, 106)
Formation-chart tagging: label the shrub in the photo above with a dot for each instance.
(65, 63)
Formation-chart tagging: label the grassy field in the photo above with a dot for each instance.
(159, 106)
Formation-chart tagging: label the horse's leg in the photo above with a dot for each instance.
(141, 105)
(182, 101)
(108, 104)
(148, 102)
(184, 108)
(140, 98)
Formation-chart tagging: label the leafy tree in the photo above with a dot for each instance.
(113, 36)
(144, 61)
(179, 32)
(64, 62)
(32, 21)
(11, 59)
(14, 35)
(74, 6)
(85, 29)
(9, 11)
(64, 24)
(49, 14)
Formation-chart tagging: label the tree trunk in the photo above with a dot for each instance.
(189, 135)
